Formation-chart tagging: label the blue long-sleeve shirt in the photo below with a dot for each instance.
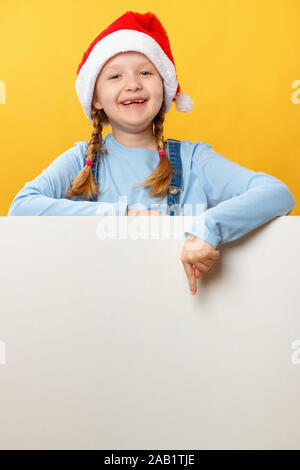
(225, 199)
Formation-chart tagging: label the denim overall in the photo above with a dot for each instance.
(173, 153)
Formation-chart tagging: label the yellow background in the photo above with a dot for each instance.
(238, 60)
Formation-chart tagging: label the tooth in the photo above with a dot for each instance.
(137, 101)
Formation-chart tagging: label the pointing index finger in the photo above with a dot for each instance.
(189, 270)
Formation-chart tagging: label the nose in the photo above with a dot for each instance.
(133, 83)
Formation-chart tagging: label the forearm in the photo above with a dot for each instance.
(40, 205)
(233, 218)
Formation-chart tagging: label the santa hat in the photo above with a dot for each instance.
(131, 32)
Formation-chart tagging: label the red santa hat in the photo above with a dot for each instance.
(131, 32)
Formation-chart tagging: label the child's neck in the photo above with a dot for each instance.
(144, 139)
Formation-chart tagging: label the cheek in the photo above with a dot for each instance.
(158, 89)
(108, 95)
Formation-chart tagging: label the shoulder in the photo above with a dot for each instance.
(200, 147)
(194, 153)
(202, 155)
(78, 152)
(69, 163)
(74, 157)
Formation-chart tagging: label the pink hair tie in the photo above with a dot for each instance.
(161, 153)
(89, 162)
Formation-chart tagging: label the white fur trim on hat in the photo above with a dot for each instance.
(124, 40)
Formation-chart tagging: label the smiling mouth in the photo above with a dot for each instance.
(134, 105)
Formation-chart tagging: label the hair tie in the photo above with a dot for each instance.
(89, 162)
(161, 153)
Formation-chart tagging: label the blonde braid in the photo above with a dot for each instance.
(161, 177)
(84, 183)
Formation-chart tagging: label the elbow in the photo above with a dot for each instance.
(15, 208)
(279, 191)
(287, 198)
(19, 206)
(25, 201)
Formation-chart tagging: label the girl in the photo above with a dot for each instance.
(127, 79)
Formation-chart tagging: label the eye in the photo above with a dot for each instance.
(119, 75)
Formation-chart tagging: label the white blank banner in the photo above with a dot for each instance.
(104, 347)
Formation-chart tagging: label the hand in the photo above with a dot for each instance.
(197, 257)
(137, 212)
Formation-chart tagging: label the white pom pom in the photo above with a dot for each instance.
(184, 102)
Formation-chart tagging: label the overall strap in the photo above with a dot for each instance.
(95, 166)
(95, 171)
(173, 152)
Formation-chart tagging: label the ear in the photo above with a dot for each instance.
(96, 103)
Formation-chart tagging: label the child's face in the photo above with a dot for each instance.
(125, 76)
